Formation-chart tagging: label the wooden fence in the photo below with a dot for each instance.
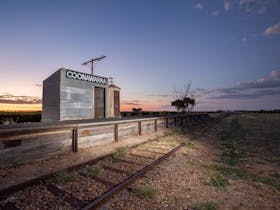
(31, 143)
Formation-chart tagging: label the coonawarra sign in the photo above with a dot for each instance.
(86, 77)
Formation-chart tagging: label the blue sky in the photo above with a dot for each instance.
(151, 46)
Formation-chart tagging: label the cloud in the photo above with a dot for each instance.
(254, 6)
(198, 6)
(228, 5)
(259, 84)
(158, 95)
(253, 95)
(271, 30)
(248, 6)
(244, 39)
(203, 91)
(12, 99)
(216, 13)
(245, 90)
(275, 74)
(131, 102)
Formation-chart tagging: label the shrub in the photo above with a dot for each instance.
(91, 171)
(216, 180)
(146, 191)
(121, 152)
(64, 176)
(209, 205)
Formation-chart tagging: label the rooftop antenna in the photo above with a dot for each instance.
(93, 60)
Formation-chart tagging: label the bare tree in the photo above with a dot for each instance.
(181, 93)
(179, 105)
(184, 99)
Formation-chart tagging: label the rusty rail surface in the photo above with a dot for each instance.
(74, 201)
(4, 193)
(128, 181)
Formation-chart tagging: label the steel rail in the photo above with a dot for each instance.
(100, 200)
(5, 192)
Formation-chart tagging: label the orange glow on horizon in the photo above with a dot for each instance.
(38, 107)
(144, 107)
(20, 107)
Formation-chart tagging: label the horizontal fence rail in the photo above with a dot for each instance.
(31, 143)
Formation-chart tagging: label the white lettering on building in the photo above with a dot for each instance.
(86, 77)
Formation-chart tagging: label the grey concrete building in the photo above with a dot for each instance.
(73, 95)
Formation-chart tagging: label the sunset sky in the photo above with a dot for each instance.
(228, 49)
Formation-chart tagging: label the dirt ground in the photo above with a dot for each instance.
(12, 175)
(228, 164)
(233, 164)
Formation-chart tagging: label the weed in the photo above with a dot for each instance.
(168, 133)
(176, 131)
(227, 171)
(239, 173)
(231, 133)
(91, 171)
(236, 129)
(231, 156)
(209, 205)
(237, 141)
(216, 180)
(114, 159)
(275, 175)
(173, 145)
(121, 152)
(107, 159)
(168, 139)
(189, 144)
(146, 191)
(266, 180)
(64, 176)
(185, 152)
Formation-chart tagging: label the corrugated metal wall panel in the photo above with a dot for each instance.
(51, 98)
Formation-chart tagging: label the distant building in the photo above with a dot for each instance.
(73, 95)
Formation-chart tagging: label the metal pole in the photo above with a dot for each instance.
(91, 66)
(92, 60)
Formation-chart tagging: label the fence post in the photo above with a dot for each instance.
(116, 132)
(139, 128)
(166, 123)
(75, 139)
(155, 124)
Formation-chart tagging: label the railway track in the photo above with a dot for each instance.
(90, 185)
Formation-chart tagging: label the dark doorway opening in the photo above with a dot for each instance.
(117, 103)
(99, 102)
